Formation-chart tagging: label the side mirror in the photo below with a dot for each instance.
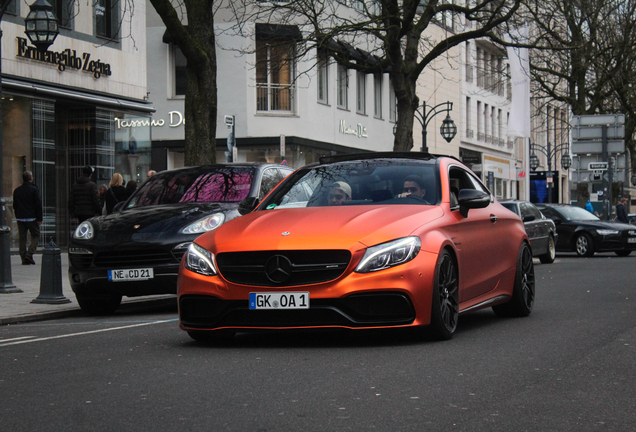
(247, 205)
(472, 199)
(528, 218)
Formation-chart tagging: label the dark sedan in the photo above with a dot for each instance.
(137, 250)
(541, 230)
(584, 233)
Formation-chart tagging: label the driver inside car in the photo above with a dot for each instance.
(413, 185)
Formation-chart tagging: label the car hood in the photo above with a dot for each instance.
(603, 224)
(155, 223)
(346, 227)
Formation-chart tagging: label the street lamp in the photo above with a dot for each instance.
(41, 28)
(550, 153)
(448, 130)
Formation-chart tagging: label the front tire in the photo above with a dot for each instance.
(99, 305)
(522, 300)
(623, 253)
(445, 305)
(548, 257)
(584, 245)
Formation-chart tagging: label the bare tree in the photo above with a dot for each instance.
(393, 33)
(191, 25)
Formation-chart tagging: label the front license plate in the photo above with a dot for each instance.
(130, 274)
(287, 300)
(631, 240)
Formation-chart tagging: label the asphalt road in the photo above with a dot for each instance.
(570, 366)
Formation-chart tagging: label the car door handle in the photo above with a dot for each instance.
(493, 218)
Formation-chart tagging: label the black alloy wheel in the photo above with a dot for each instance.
(522, 299)
(584, 245)
(445, 305)
(550, 255)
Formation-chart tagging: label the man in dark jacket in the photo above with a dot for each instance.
(27, 206)
(83, 201)
(621, 211)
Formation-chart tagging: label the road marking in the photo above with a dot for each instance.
(18, 342)
(15, 339)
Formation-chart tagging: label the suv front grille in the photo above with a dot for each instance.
(282, 268)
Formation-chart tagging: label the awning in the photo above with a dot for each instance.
(63, 93)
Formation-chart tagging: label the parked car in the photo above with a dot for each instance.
(584, 233)
(382, 259)
(541, 230)
(137, 250)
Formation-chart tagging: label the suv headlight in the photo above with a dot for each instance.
(206, 224)
(389, 254)
(84, 231)
(606, 232)
(200, 260)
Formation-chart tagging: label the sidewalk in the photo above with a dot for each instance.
(17, 307)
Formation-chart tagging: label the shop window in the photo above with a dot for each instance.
(323, 78)
(274, 76)
(361, 93)
(106, 18)
(64, 11)
(179, 79)
(343, 87)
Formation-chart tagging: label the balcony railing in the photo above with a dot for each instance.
(275, 97)
(480, 136)
(469, 133)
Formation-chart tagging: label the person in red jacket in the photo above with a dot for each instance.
(27, 205)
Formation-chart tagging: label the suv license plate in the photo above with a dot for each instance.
(130, 274)
(278, 300)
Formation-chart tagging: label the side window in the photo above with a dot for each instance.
(271, 177)
(526, 210)
(535, 211)
(549, 213)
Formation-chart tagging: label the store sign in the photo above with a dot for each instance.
(175, 119)
(359, 131)
(65, 59)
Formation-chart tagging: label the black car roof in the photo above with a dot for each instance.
(382, 155)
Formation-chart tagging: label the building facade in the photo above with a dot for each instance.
(61, 110)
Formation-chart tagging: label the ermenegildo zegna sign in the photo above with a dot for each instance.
(64, 59)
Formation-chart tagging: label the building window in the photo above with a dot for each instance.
(480, 132)
(392, 103)
(469, 130)
(361, 92)
(106, 18)
(274, 76)
(343, 87)
(64, 11)
(179, 79)
(12, 7)
(323, 78)
(377, 95)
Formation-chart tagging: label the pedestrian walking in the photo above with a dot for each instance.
(116, 193)
(588, 206)
(27, 206)
(621, 211)
(131, 187)
(83, 202)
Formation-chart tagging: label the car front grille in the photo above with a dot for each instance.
(358, 310)
(134, 258)
(282, 268)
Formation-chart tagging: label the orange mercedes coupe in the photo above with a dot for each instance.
(379, 240)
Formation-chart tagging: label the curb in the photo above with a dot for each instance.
(130, 305)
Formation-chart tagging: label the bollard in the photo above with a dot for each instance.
(51, 277)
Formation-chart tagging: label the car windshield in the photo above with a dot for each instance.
(227, 184)
(366, 182)
(575, 213)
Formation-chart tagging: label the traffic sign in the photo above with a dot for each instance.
(596, 132)
(598, 119)
(597, 166)
(585, 147)
(229, 120)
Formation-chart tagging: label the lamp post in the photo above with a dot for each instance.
(549, 152)
(448, 130)
(41, 28)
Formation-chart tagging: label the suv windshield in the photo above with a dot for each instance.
(367, 182)
(227, 184)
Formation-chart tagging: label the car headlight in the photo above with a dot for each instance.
(606, 232)
(200, 260)
(389, 254)
(84, 231)
(206, 224)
